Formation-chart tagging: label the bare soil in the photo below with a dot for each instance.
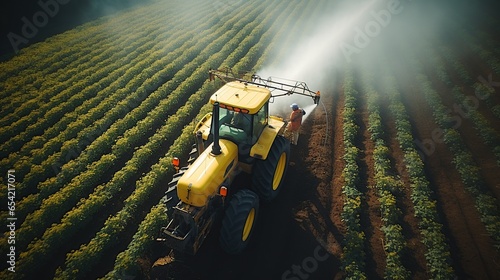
(473, 253)
(304, 222)
(298, 234)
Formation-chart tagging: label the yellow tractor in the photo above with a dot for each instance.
(237, 137)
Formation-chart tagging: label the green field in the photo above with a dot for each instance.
(92, 117)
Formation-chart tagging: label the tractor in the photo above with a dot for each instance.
(237, 137)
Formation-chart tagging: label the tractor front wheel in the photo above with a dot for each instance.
(239, 221)
(268, 175)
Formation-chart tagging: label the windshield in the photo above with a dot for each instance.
(234, 126)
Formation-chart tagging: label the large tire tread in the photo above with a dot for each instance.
(263, 172)
(234, 221)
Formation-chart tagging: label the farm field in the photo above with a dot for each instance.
(396, 173)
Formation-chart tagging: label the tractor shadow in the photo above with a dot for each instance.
(282, 245)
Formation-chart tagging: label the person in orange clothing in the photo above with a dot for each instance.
(295, 122)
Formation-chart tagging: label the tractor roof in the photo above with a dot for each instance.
(243, 96)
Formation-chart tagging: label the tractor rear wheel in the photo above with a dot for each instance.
(239, 221)
(170, 199)
(268, 175)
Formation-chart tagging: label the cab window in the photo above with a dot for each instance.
(259, 122)
(234, 126)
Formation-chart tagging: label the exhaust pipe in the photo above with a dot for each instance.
(200, 147)
(216, 150)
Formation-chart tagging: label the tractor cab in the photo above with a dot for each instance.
(241, 115)
(243, 112)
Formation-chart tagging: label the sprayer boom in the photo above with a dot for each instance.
(294, 87)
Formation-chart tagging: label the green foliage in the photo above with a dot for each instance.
(353, 256)
(86, 113)
(386, 185)
(462, 158)
(422, 196)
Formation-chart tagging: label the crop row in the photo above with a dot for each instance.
(469, 104)
(387, 187)
(482, 86)
(300, 28)
(488, 41)
(81, 261)
(122, 107)
(488, 56)
(53, 207)
(483, 90)
(40, 119)
(126, 261)
(484, 128)
(129, 95)
(128, 58)
(79, 217)
(31, 60)
(87, 256)
(71, 123)
(219, 55)
(472, 33)
(20, 73)
(485, 202)
(89, 134)
(438, 256)
(58, 59)
(69, 94)
(353, 256)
